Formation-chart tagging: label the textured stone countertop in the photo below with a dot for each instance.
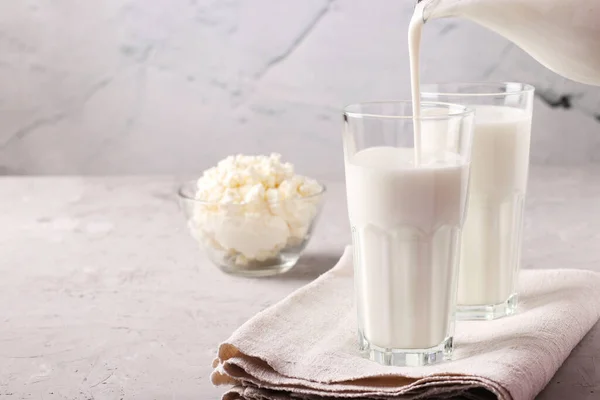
(103, 295)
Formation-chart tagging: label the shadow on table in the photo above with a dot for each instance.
(310, 267)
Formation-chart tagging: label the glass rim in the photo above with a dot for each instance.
(182, 193)
(524, 88)
(464, 110)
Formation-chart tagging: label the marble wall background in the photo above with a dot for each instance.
(171, 86)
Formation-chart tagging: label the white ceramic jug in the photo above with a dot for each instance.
(563, 35)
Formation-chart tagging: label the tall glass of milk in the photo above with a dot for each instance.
(406, 206)
(492, 235)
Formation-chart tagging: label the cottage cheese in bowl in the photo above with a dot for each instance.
(253, 214)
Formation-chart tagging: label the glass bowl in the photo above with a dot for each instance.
(252, 239)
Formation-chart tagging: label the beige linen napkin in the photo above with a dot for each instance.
(305, 346)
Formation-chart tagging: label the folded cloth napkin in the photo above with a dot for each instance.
(305, 347)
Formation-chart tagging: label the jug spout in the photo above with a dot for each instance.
(420, 7)
(436, 8)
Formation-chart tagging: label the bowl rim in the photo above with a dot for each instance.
(185, 185)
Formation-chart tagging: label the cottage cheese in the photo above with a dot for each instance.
(253, 206)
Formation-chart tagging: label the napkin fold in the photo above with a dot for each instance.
(305, 346)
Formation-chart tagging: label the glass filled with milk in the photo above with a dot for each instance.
(492, 235)
(407, 182)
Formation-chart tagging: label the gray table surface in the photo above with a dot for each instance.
(103, 295)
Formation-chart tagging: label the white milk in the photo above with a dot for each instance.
(490, 250)
(405, 225)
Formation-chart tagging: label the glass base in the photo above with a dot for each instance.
(406, 357)
(487, 312)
